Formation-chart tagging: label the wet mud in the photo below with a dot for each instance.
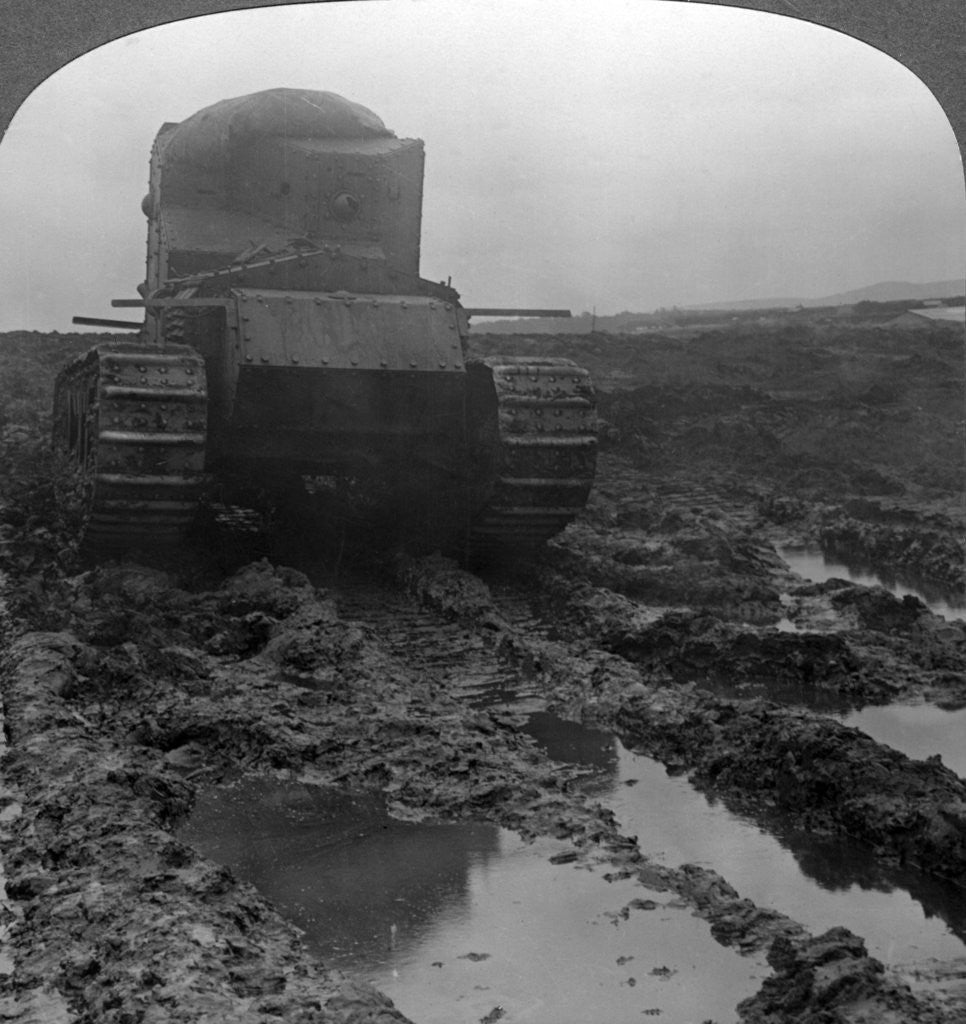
(665, 616)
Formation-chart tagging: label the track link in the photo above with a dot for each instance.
(546, 426)
(135, 419)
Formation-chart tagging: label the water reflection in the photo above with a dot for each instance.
(572, 743)
(814, 564)
(452, 921)
(821, 882)
(917, 730)
(903, 915)
(333, 861)
(839, 866)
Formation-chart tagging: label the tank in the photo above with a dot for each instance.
(290, 346)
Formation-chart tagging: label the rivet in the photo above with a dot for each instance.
(442, 366)
(325, 360)
(295, 359)
(264, 359)
(382, 362)
(412, 364)
(144, 380)
(355, 362)
(248, 359)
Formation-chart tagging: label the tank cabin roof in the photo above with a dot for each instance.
(210, 136)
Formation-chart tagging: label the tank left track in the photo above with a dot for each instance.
(134, 417)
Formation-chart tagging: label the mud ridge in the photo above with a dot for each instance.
(822, 775)
(114, 915)
(81, 882)
(128, 687)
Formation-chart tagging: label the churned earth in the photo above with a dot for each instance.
(665, 615)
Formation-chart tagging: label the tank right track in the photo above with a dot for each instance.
(134, 419)
(543, 449)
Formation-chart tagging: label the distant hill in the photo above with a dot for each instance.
(892, 297)
(884, 291)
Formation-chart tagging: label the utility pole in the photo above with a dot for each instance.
(593, 321)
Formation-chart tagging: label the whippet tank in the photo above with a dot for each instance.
(289, 341)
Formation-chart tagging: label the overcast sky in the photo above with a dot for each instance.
(617, 154)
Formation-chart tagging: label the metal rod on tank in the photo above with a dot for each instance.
(517, 312)
(93, 321)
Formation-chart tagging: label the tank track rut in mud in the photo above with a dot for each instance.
(134, 417)
(547, 443)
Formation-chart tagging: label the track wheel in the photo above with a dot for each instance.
(134, 418)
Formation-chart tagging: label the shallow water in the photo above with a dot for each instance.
(904, 916)
(813, 564)
(918, 730)
(455, 921)
(452, 921)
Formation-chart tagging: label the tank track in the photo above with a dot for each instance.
(134, 418)
(544, 445)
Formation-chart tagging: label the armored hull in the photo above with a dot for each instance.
(288, 338)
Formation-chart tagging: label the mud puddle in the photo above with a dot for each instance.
(904, 916)
(813, 564)
(917, 730)
(463, 922)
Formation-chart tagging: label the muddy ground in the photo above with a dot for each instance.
(127, 686)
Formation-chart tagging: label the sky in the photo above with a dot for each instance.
(588, 154)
